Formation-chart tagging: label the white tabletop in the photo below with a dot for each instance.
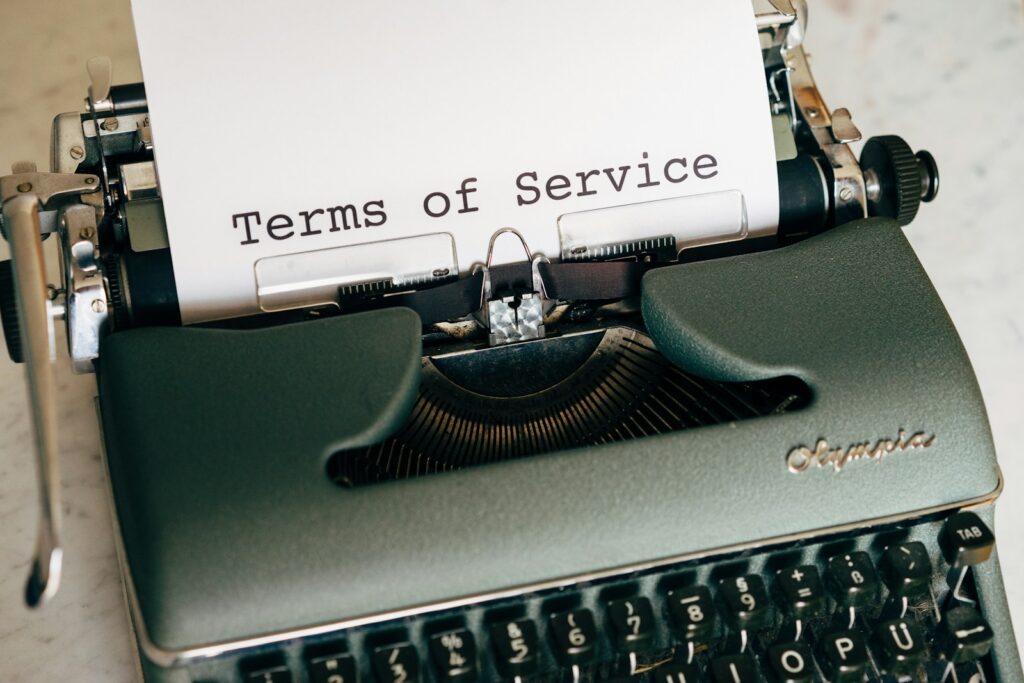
(943, 74)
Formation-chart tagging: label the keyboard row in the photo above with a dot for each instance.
(896, 647)
(799, 624)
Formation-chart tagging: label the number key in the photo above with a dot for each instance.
(338, 668)
(632, 622)
(515, 647)
(693, 613)
(853, 580)
(575, 635)
(396, 664)
(454, 655)
(272, 674)
(746, 602)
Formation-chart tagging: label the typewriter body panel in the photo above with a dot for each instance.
(523, 533)
(627, 494)
(438, 541)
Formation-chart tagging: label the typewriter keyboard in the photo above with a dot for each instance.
(897, 605)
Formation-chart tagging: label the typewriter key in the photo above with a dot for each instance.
(853, 580)
(632, 622)
(964, 635)
(396, 664)
(966, 540)
(746, 602)
(800, 592)
(676, 673)
(843, 656)
(906, 569)
(574, 635)
(791, 663)
(901, 646)
(275, 674)
(735, 669)
(693, 613)
(339, 668)
(515, 647)
(454, 655)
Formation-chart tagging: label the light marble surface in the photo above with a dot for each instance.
(944, 74)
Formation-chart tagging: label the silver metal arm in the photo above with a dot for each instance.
(21, 216)
(23, 194)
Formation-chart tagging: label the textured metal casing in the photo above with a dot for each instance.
(232, 531)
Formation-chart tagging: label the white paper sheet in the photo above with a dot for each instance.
(280, 108)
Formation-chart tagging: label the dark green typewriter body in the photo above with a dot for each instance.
(781, 470)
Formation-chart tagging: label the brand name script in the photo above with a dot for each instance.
(824, 455)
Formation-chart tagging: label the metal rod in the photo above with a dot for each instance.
(22, 220)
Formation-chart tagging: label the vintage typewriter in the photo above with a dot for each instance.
(760, 460)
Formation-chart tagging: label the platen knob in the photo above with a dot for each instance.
(896, 179)
(9, 312)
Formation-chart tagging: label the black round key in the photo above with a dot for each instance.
(676, 673)
(515, 647)
(454, 655)
(853, 580)
(901, 646)
(632, 622)
(693, 613)
(574, 635)
(843, 656)
(735, 669)
(966, 540)
(791, 663)
(334, 668)
(906, 569)
(800, 592)
(278, 673)
(396, 664)
(964, 635)
(745, 602)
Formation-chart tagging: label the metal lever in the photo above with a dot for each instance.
(21, 216)
(100, 71)
(23, 194)
(101, 75)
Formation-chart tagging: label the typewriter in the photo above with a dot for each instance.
(763, 460)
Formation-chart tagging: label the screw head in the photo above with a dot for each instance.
(87, 233)
(846, 194)
(109, 124)
(25, 187)
(98, 305)
(813, 112)
(90, 180)
(76, 152)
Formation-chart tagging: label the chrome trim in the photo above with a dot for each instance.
(183, 657)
